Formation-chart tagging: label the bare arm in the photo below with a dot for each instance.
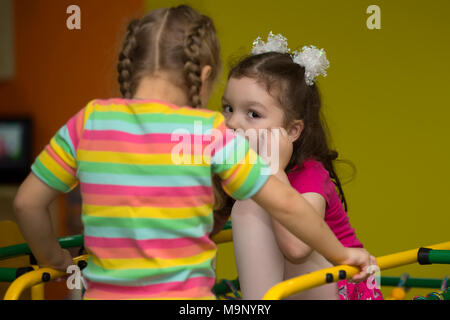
(33, 217)
(287, 206)
(295, 250)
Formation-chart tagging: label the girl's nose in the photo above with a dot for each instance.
(232, 122)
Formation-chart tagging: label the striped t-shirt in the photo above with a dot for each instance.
(145, 171)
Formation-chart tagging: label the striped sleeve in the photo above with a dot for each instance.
(242, 171)
(56, 165)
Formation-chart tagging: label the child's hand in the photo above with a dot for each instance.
(286, 148)
(61, 262)
(280, 160)
(359, 258)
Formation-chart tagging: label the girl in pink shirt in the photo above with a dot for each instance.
(270, 90)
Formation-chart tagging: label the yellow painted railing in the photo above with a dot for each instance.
(295, 285)
(33, 279)
(223, 236)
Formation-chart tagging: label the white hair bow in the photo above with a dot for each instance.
(312, 59)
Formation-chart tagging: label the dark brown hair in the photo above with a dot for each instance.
(285, 81)
(178, 40)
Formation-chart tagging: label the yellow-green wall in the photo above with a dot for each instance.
(387, 103)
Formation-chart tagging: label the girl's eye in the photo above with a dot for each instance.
(227, 108)
(253, 114)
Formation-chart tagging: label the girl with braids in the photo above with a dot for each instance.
(147, 217)
(275, 89)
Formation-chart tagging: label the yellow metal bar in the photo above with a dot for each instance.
(223, 236)
(37, 291)
(34, 278)
(397, 294)
(292, 286)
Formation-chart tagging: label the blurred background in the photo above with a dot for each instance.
(385, 100)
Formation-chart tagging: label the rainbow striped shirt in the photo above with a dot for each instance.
(145, 169)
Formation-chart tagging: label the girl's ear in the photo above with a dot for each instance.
(205, 73)
(205, 89)
(295, 130)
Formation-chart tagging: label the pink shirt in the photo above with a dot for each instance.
(313, 177)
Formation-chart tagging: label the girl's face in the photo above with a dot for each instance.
(247, 105)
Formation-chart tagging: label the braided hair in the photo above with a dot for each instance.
(125, 65)
(192, 67)
(178, 40)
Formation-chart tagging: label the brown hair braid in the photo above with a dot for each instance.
(125, 65)
(192, 68)
(177, 40)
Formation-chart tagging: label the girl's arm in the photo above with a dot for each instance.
(295, 250)
(287, 206)
(33, 217)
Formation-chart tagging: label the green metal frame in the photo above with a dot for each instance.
(412, 282)
(439, 257)
(23, 248)
(221, 287)
(227, 225)
(8, 274)
(11, 274)
(429, 256)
